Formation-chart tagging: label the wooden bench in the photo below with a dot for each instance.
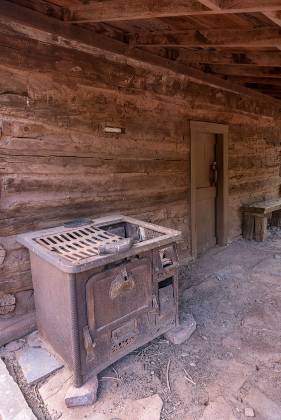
(255, 218)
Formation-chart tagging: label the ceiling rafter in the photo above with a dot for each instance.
(213, 38)
(215, 42)
(226, 56)
(124, 10)
(275, 17)
(245, 70)
(62, 34)
(252, 80)
(211, 4)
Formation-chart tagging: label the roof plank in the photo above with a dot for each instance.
(118, 10)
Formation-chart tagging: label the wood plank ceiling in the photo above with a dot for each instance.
(235, 40)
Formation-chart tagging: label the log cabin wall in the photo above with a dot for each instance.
(57, 164)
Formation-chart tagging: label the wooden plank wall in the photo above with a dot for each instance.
(56, 162)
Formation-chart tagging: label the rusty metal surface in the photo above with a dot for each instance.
(76, 245)
(150, 236)
(117, 293)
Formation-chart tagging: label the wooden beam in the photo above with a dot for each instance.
(214, 38)
(251, 80)
(62, 34)
(275, 17)
(45, 7)
(118, 10)
(211, 56)
(245, 70)
(211, 4)
(249, 6)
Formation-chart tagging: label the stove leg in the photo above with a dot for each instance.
(83, 396)
(183, 331)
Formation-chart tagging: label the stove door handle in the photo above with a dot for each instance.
(123, 282)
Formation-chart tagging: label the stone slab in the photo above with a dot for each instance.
(36, 361)
(230, 377)
(83, 396)
(107, 407)
(53, 391)
(12, 403)
(183, 332)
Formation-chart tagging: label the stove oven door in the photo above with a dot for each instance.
(118, 301)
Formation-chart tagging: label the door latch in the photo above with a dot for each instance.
(214, 174)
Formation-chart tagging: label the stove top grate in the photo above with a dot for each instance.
(78, 244)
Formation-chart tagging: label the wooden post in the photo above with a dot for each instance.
(276, 219)
(248, 226)
(260, 228)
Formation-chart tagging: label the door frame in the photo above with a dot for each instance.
(222, 134)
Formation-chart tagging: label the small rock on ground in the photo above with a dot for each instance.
(183, 332)
(249, 412)
(15, 345)
(83, 396)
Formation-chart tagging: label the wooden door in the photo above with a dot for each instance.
(205, 190)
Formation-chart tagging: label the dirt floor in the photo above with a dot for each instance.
(232, 362)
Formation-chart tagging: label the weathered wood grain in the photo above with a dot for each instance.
(57, 164)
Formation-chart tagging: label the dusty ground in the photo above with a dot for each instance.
(232, 361)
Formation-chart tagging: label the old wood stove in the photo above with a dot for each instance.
(103, 288)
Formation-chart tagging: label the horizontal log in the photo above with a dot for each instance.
(16, 327)
(39, 214)
(87, 147)
(254, 185)
(33, 214)
(100, 185)
(71, 166)
(15, 262)
(15, 282)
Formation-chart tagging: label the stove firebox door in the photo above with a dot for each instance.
(117, 294)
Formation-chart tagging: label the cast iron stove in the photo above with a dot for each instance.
(103, 288)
